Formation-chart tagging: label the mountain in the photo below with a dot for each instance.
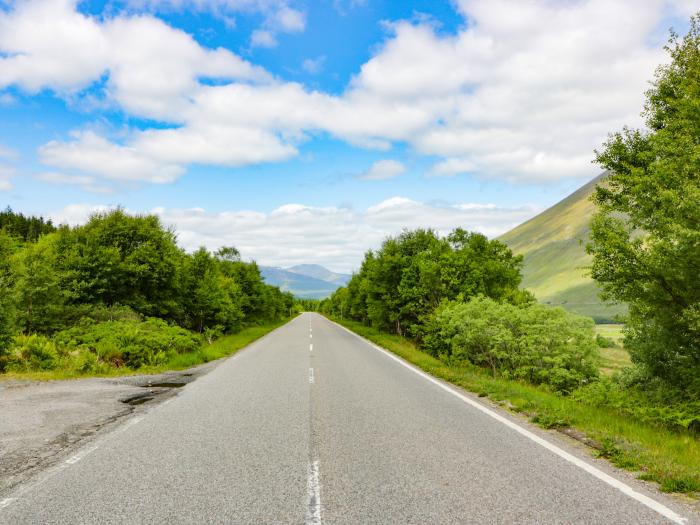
(305, 280)
(553, 244)
(319, 272)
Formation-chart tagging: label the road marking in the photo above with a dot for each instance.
(311, 336)
(606, 478)
(311, 376)
(311, 347)
(313, 512)
(9, 501)
(80, 455)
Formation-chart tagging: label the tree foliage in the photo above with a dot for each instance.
(402, 283)
(646, 236)
(531, 342)
(22, 227)
(122, 273)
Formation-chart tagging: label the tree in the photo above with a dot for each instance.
(403, 282)
(119, 259)
(6, 317)
(645, 239)
(38, 295)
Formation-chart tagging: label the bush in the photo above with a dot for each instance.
(645, 398)
(532, 342)
(32, 352)
(128, 342)
(604, 342)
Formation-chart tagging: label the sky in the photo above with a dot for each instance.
(308, 131)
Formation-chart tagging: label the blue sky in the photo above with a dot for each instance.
(307, 131)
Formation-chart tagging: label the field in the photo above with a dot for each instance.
(616, 357)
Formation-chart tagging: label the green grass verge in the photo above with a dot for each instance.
(672, 459)
(222, 347)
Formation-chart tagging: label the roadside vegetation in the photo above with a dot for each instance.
(453, 305)
(117, 295)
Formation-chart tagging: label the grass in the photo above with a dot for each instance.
(222, 347)
(556, 264)
(671, 459)
(615, 358)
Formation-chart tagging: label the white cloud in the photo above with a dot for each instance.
(279, 15)
(524, 91)
(384, 169)
(451, 167)
(333, 236)
(263, 38)
(152, 68)
(92, 154)
(313, 65)
(289, 20)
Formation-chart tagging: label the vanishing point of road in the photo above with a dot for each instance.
(311, 425)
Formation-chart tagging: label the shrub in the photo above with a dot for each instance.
(634, 393)
(33, 352)
(532, 342)
(129, 342)
(604, 342)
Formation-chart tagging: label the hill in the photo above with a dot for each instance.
(302, 280)
(556, 262)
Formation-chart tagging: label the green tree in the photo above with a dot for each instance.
(402, 283)
(532, 342)
(117, 258)
(646, 236)
(39, 298)
(6, 307)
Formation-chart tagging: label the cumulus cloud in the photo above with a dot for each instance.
(90, 153)
(152, 68)
(383, 170)
(333, 236)
(524, 91)
(279, 16)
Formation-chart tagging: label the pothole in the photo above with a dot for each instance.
(137, 399)
(165, 384)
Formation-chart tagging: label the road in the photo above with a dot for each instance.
(312, 424)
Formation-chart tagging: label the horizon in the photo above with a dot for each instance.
(277, 135)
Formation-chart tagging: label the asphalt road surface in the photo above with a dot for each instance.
(312, 424)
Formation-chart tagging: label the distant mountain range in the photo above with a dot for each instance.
(556, 263)
(307, 281)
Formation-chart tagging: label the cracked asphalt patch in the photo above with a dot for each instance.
(45, 421)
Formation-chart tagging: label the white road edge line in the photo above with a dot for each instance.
(80, 455)
(606, 478)
(313, 511)
(311, 376)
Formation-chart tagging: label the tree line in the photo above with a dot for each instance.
(121, 267)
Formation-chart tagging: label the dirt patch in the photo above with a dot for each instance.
(44, 421)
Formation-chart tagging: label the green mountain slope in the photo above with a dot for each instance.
(556, 263)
